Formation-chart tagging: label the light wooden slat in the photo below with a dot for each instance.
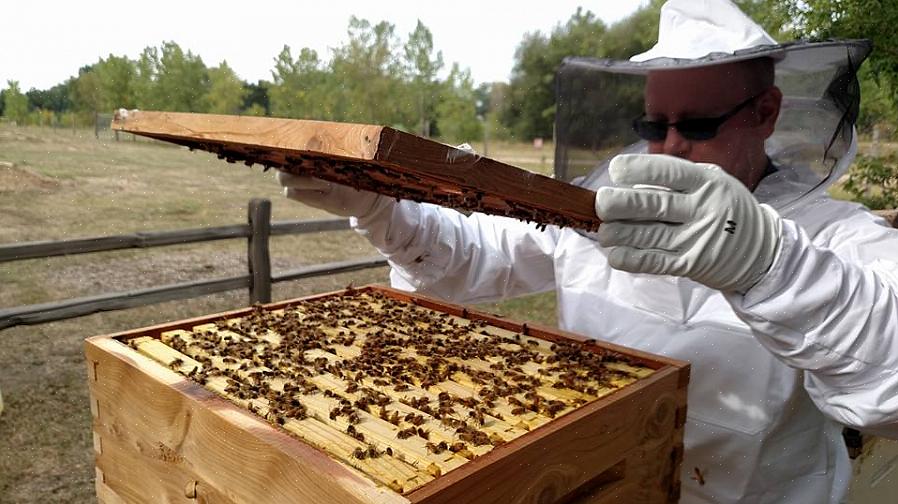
(413, 449)
(438, 431)
(386, 470)
(508, 424)
(527, 419)
(143, 405)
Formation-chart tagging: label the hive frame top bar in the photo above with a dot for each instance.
(648, 360)
(375, 158)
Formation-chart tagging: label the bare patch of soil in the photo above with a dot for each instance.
(15, 178)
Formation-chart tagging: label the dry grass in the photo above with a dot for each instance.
(55, 185)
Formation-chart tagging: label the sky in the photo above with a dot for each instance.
(42, 43)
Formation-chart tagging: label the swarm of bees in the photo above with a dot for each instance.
(455, 387)
(394, 183)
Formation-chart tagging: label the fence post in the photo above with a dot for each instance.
(258, 258)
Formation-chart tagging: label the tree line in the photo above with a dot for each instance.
(377, 77)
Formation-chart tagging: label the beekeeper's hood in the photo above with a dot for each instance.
(814, 141)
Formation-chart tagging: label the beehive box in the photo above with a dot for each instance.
(376, 395)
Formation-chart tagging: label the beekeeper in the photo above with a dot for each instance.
(719, 247)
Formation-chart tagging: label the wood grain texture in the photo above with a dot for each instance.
(160, 432)
(338, 139)
(623, 447)
(375, 158)
(554, 461)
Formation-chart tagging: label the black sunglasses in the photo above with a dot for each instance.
(699, 128)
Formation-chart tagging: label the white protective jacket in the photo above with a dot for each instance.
(774, 372)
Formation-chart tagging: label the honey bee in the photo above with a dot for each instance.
(698, 476)
(437, 448)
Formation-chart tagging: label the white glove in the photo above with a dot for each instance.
(701, 222)
(337, 199)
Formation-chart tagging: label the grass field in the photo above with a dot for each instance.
(58, 185)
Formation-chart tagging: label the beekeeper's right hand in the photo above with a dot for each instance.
(337, 199)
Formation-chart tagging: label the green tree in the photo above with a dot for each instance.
(421, 68)
(57, 98)
(182, 80)
(823, 19)
(368, 78)
(873, 181)
(226, 91)
(301, 87)
(492, 97)
(457, 109)
(772, 15)
(531, 101)
(529, 107)
(115, 76)
(87, 93)
(15, 104)
(146, 94)
(256, 100)
(104, 86)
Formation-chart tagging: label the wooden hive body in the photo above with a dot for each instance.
(161, 437)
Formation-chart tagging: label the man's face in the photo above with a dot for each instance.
(738, 146)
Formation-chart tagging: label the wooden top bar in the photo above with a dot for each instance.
(375, 158)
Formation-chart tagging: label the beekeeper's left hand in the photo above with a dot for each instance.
(670, 216)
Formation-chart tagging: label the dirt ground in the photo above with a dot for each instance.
(58, 185)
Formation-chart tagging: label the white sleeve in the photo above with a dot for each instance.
(832, 311)
(465, 259)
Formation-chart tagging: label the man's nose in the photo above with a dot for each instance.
(675, 144)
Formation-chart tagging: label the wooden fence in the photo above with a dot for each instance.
(259, 279)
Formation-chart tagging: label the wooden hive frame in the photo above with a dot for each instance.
(159, 436)
(374, 158)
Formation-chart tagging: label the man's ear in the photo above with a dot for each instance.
(768, 110)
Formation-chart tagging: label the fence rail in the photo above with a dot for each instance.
(41, 249)
(257, 231)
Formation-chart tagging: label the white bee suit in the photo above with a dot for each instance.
(813, 344)
(817, 337)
